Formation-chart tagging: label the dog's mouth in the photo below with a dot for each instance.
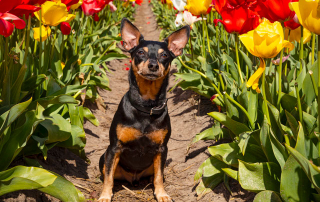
(149, 76)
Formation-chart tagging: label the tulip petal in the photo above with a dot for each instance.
(254, 79)
(19, 23)
(45, 32)
(247, 40)
(288, 44)
(6, 28)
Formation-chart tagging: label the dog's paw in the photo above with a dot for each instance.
(164, 198)
(104, 199)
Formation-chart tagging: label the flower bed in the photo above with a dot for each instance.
(256, 62)
(53, 58)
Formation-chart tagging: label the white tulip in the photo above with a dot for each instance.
(179, 4)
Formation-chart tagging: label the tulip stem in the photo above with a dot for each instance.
(6, 53)
(318, 81)
(280, 80)
(203, 40)
(265, 104)
(208, 39)
(299, 103)
(313, 47)
(203, 75)
(301, 50)
(237, 55)
(40, 44)
(286, 67)
(27, 41)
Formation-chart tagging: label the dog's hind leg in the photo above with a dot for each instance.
(158, 162)
(111, 160)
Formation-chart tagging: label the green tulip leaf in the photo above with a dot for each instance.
(236, 127)
(295, 185)
(259, 176)
(267, 196)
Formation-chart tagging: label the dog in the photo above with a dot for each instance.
(141, 127)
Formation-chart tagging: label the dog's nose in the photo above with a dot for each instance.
(153, 66)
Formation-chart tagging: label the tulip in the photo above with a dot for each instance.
(274, 10)
(139, 2)
(65, 28)
(113, 8)
(266, 41)
(6, 27)
(291, 24)
(308, 14)
(68, 3)
(238, 19)
(169, 3)
(45, 32)
(54, 13)
(89, 7)
(21, 10)
(186, 18)
(179, 4)
(77, 5)
(295, 35)
(96, 17)
(33, 2)
(198, 7)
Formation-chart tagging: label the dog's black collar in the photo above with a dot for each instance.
(150, 110)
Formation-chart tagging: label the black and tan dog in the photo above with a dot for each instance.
(141, 128)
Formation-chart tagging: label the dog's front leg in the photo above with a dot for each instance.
(110, 164)
(158, 162)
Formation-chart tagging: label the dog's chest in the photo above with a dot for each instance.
(129, 134)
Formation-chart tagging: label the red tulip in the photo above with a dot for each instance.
(69, 3)
(274, 10)
(9, 10)
(139, 2)
(21, 10)
(239, 19)
(219, 4)
(6, 27)
(96, 17)
(291, 24)
(89, 7)
(65, 28)
(33, 2)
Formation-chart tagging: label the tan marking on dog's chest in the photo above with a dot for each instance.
(158, 136)
(127, 134)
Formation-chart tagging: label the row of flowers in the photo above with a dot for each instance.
(257, 61)
(52, 13)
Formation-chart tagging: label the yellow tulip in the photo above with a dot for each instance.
(62, 65)
(170, 4)
(45, 32)
(295, 35)
(266, 41)
(198, 7)
(254, 79)
(308, 14)
(75, 6)
(53, 13)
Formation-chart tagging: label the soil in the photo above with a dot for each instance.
(188, 117)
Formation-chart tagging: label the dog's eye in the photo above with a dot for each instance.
(163, 55)
(140, 53)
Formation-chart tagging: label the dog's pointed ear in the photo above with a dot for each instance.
(130, 34)
(178, 40)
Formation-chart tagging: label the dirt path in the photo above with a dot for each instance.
(187, 119)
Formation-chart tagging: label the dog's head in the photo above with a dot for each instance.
(151, 59)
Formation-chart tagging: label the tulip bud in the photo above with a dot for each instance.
(96, 17)
(65, 28)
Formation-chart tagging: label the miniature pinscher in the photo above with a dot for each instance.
(141, 127)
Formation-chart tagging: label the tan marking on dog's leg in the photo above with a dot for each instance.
(106, 194)
(159, 191)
